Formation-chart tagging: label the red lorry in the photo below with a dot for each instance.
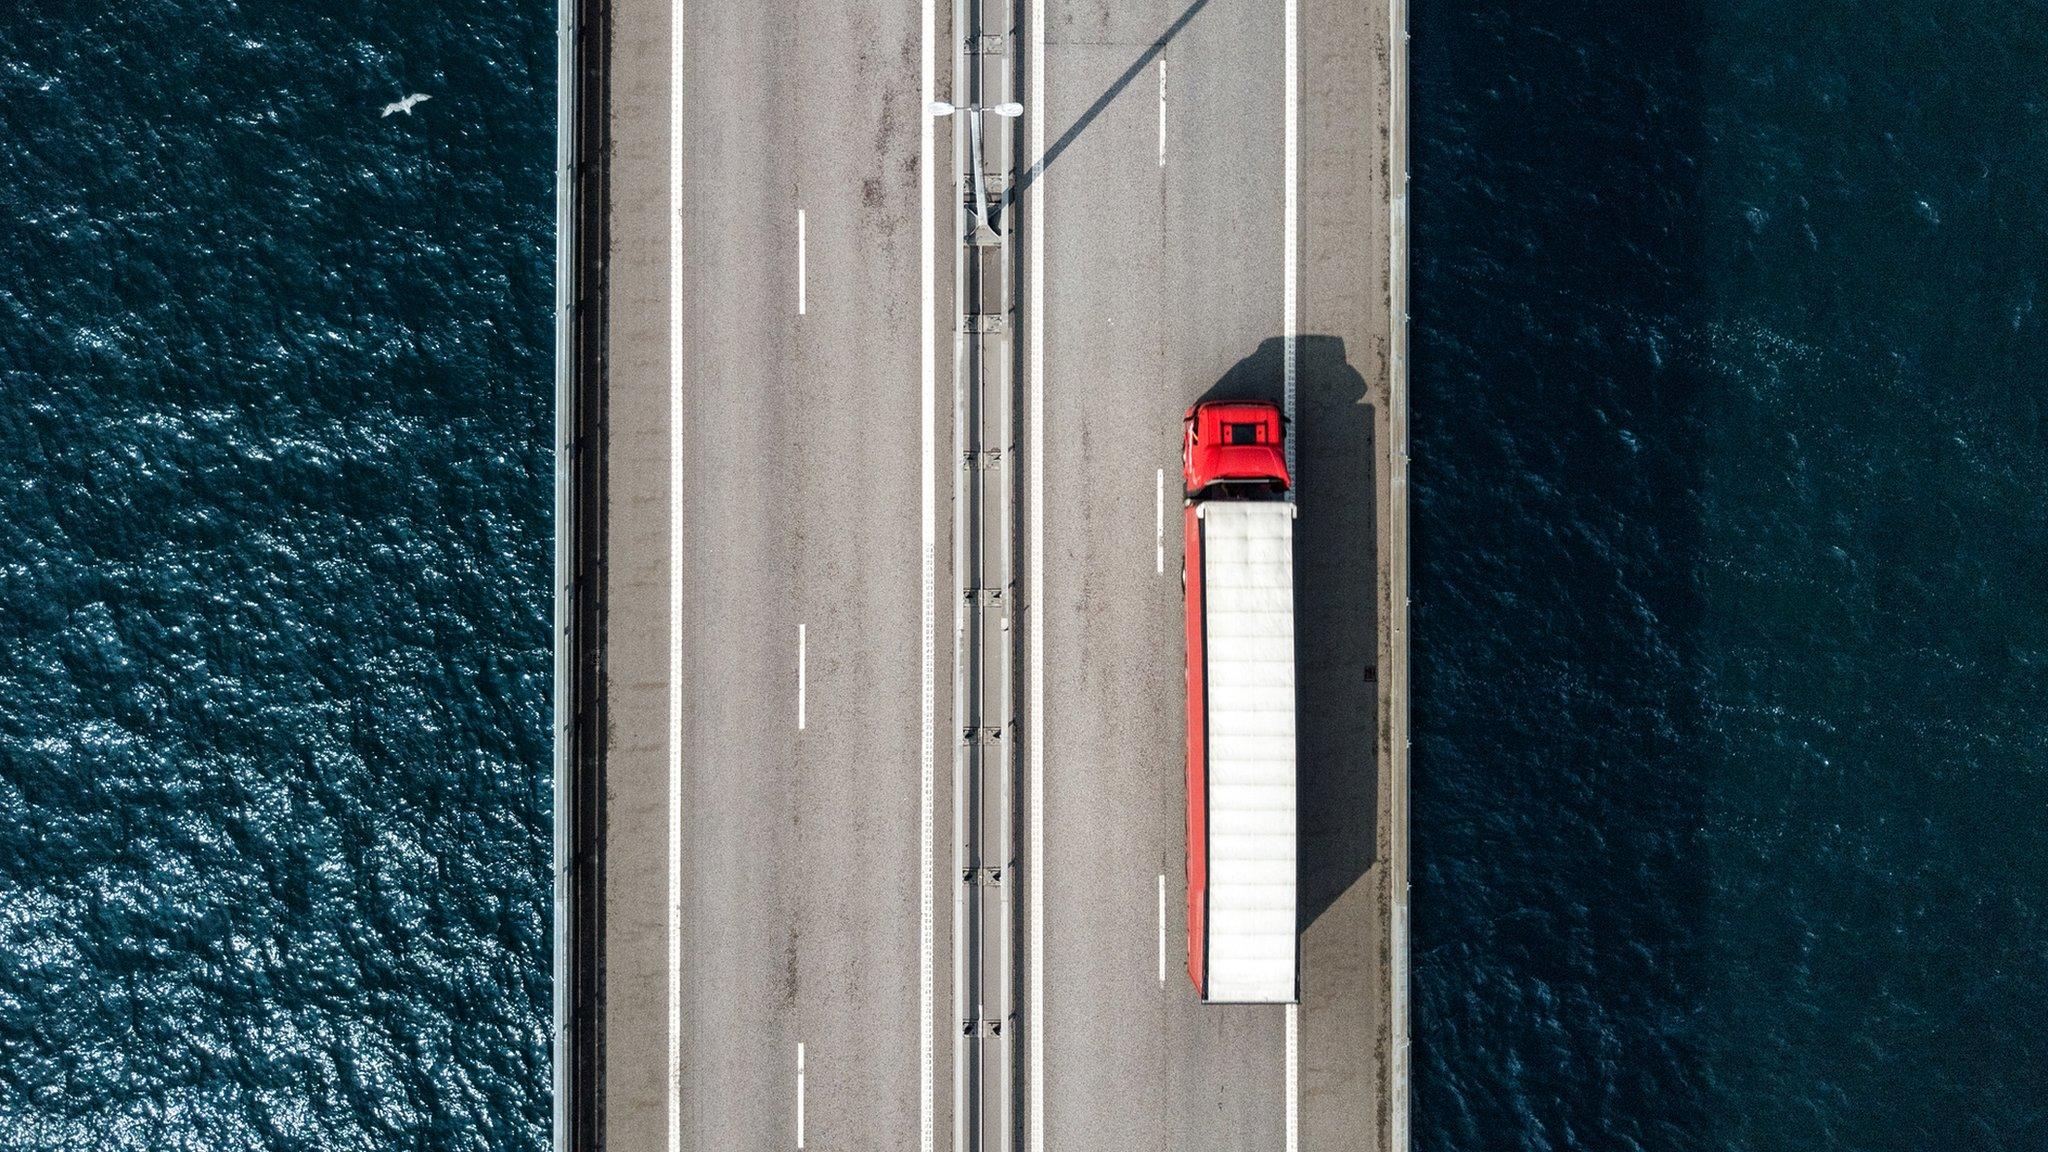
(1238, 583)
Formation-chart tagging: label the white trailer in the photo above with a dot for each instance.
(1242, 931)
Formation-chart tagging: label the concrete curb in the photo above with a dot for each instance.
(1397, 567)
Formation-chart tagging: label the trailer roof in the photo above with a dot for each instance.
(1248, 612)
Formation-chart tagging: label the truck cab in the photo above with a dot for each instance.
(1239, 443)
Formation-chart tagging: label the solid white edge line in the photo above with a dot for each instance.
(675, 575)
(957, 344)
(799, 1096)
(927, 529)
(1162, 109)
(955, 237)
(1293, 1105)
(800, 671)
(800, 286)
(1289, 330)
(1162, 929)
(1290, 321)
(1035, 1031)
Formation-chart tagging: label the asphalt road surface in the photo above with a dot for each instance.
(1158, 279)
(799, 520)
(778, 351)
(1165, 210)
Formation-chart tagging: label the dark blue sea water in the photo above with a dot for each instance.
(1731, 579)
(274, 467)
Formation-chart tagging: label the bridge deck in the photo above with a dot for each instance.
(770, 584)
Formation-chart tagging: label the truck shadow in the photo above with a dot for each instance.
(1336, 620)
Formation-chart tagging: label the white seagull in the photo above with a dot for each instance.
(406, 104)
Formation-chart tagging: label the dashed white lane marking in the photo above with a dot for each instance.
(1035, 1031)
(675, 575)
(1162, 109)
(1293, 1106)
(1162, 929)
(799, 1096)
(1290, 321)
(800, 660)
(928, 531)
(1159, 522)
(800, 284)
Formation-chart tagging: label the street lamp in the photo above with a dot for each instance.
(1008, 111)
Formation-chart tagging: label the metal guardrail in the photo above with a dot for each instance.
(985, 563)
(582, 63)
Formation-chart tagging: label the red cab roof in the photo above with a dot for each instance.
(1236, 441)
